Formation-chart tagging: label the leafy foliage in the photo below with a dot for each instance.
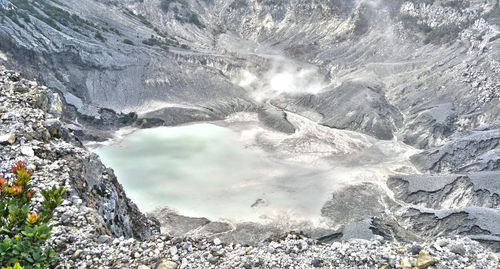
(162, 43)
(23, 233)
(16, 266)
(128, 42)
(49, 14)
(99, 36)
(183, 15)
(427, 2)
(497, 36)
(238, 4)
(140, 17)
(165, 4)
(443, 34)
(457, 4)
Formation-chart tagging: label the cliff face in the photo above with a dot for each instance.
(31, 134)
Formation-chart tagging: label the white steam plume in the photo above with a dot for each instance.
(284, 77)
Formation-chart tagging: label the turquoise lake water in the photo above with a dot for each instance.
(196, 169)
(220, 171)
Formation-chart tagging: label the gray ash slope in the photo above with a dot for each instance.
(424, 72)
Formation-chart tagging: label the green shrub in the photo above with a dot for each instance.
(160, 43)
(115, 31)
(23, 233)
(165, 4)
(443, 34)
(457, 4)
(160, 33)
(50, 14)
(151, 41)
(12, 15)
(193, 18)
(99, 36)
(139, 16)
(25, 17)
(413, 23)
(497, 36)
(144, 20)
(16, 266)
(427, 2)
(128, 42)
(238, 4)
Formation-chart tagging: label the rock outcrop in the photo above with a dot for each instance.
(58, 158)
(451, 204)
(481, 189)
(477, 151)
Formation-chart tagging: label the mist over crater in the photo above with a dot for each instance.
(238, 170)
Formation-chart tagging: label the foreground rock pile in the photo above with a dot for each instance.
(289, 251)
(97, 226)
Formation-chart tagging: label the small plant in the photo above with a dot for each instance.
(165, 4)
(238, 4)
(99, 36)
(193, 18)
(457, 4)
(157, 42)
(23, 233)
(128, 42)
(16, 266)
(497, 36)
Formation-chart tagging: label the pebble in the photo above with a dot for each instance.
(442, 242)
(415, 249)
(406, 263)
(27, 151)
(7, 139)
(424, 260)
(77, 253)
(101, 239)
(457, 249)
(166, 265)
(493, 257)
(303, 245)
(213, 259)
(316, 262)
